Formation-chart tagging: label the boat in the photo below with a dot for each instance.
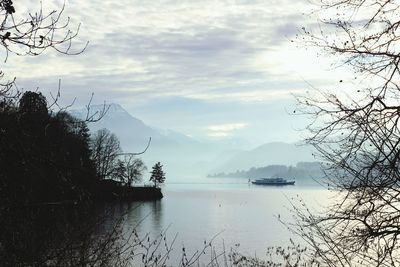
(272, 181)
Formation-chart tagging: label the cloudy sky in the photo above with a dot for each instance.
(209, 69)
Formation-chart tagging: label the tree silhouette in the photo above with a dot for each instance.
(358, 137)
(134, 169)
(119, 171)
(157, 174)
(32, 102)
(43, 157)
(105, 151)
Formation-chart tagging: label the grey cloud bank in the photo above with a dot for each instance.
(194, 61)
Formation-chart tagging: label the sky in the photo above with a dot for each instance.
(208, 69)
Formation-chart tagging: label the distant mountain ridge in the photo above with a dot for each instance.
(304, 173)
(185, 156)
(132, 132)
(179, 153)
(274, 153)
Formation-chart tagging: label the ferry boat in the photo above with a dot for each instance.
(272, 181)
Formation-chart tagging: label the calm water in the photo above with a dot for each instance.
(230, 210)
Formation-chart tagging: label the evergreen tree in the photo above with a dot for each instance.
(157, 174)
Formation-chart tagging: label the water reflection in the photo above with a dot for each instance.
(146, 216)
(59, 235)
(42, 234)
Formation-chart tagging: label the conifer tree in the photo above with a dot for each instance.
(157, 174)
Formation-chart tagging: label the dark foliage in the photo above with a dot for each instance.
(43, 157)
(157, 174)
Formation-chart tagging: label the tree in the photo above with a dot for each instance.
(157, 174)
(358, 137)
(105, 151)
(134, 169)
(119, 171)
(33, 111)
(24, 118)
(43, 156)
(32, 102)
(129, 170)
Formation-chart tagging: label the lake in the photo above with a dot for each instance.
(233, 212)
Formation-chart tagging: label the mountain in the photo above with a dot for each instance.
(275, 153)
(181, 155)
(132, 132)
(185, 157)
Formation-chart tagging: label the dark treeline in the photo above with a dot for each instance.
(49, 156)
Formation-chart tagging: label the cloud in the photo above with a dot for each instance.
(221, 54)
(224, 130)
(187, 48)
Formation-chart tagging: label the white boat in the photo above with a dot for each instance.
(272, 181)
